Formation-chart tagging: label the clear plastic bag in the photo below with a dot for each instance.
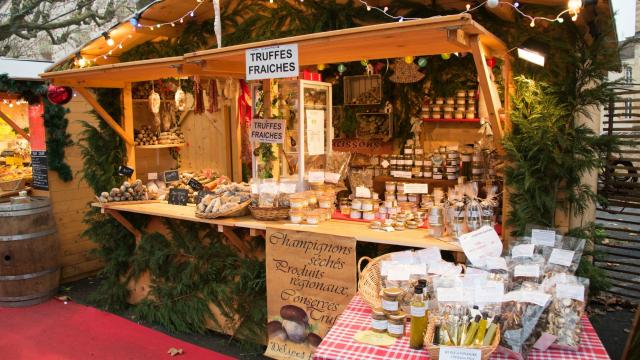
(566, 310)
(564, 256)
(268, 193)
(336, 167)
(525, 270)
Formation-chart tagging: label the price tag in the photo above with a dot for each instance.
(526, 271)
(543, 237)
(316, 176)
(416, 188)
(524, 250)
(363, 192)
(171, 176)
(195, 184)
(178, 197)
(125, 171)
(331, 177)
(480, 244)
(152, 176)
(570, 291)
(561, 257)
(403, 174)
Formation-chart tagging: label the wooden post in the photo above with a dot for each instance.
(13, 125)
(124, 222)
(508, 91)
(127, 107)
(488, 89)
(104, 114)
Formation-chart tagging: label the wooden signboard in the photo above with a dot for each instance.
(178, 197)
(372, 146)
(310, 281)
(171, 176)
(39, 169)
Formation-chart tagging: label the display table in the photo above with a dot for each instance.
(339, 343)
(359, 231)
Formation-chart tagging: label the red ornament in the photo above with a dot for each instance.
(59, 95)
(491, 62)
(378, 67)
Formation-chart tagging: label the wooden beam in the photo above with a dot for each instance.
(489, 91)
(236, 242)
(124, 222)
(13, 125)
(127, 107)
(457, 37)
(504, 11)
(104, 114)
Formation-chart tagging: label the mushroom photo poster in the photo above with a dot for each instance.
(310, 280)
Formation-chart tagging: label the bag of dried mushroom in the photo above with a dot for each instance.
(564, 256)
(562, 327)
(521, 311)
(336, 167)
(525, 270)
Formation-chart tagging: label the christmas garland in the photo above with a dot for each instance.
(55, 122)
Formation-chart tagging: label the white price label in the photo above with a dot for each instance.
(389, 305)
(416, 188)
(331, 177)
(403, 174)
(363, 192)
(316, 176)
(561, 257)
(459, 353)
(524, 250)
(526, 271)
(152, 176)
(570, 291)
(418, 311)
(543, 237)
(384, 164)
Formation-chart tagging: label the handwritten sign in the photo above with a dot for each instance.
(272, 62)
(171, 176)
(195, 184)
(309, 284)
(125, 171)
(178, 197)
(458, 353)
(480, 244)
(267, 131)
(39, 169)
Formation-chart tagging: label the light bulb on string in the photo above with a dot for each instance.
(368, 8)
(108, 38)
(492, 3)
(574, 17)
(468, 6)
(401, 19)
(574, 5)
(386, 8)
(533, 23)
(191, 14)
(560, 20)
(10, 105)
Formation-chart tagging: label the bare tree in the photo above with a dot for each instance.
(27, 27)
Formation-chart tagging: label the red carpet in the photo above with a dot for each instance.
(55, 331)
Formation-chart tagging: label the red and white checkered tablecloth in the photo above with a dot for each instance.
(338, 344)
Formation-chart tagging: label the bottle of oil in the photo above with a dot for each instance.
(418, 319)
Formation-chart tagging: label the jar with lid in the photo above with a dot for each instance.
(390, 300)
(393, 162)
(313, 217)
(457, 213)
(487, 214)
(378, 320)
(396, 325)
(296, 216)
(408, 147)
(408, 162)
(466, 162)
(477, 165)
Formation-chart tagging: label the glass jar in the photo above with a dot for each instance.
(298, 202)
(396, 325)
(368, 215)
(296, 216)
(378, 320)
(366, 204)
(312, 199)
(390, 300)
(355, 214)
(390, 186)
(325, 202)
(356, 204)
(313, 217)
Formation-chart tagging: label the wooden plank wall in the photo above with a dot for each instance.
(70, 202)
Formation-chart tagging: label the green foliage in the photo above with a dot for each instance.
(101, 148)
(594, 234)
(55, 122)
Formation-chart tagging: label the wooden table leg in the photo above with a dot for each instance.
(124, 222)
(236, 242)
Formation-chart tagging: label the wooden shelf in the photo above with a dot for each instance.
(476, 120)
(378, 182)
(161, 146)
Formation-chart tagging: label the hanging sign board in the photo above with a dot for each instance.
(272, 62)
(125, 171)
(39, 169)
(267, 131)
(308, 286)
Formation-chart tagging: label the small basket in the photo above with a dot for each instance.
(370, 281)
(12, 185)
(434, 350)
(269, 214)
(238, 211)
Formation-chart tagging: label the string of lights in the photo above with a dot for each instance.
(573, 9)
(82, 61)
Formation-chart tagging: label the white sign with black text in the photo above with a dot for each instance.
(272, 62)
(267, 131)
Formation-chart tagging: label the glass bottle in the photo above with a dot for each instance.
(418, 319)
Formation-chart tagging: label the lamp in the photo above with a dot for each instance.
(531, 56)
(108, 38)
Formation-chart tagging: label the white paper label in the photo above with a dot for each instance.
(316, 176)
(254, 188)
(495, 263)
(267, 131)
(429, 255)
(416, 188)
(363, 192)
(543, 237)
(331, 177)
(534, 297)
(450, 294)
(403, 257)
(384, 164)
(570, 291)
(152, 176)
(561, 257)
(315, 131)
(459, 353)
(395, 329)
(526, 271)
(403, 174)
(272, 62)
(524, 250)
(389, 305)
(379, 324)
(287, 188)
(418, 311)
(481, 243)
(490, 292)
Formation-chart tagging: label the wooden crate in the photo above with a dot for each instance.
(360, 87)
(374, 126)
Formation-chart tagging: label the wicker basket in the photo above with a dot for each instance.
(269, 214)
(370, 281)
(12, 185)
(241, 210)
(434, 350)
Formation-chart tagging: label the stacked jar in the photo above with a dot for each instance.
(311, 207)
(452, 164)
(477, 165)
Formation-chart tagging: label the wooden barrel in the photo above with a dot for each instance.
(29, 265)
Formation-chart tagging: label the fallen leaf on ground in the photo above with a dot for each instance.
(173, 351)
(626, 330)
(64, 298)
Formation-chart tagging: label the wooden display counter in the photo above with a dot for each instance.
(359, 231)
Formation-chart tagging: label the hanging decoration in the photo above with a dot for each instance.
(59, 95)
(342, 68)
(445, 56)
(198, 94)
(408, 59)
(217, 24)
(491, 62)
(369, 69)
(364, 62)
(321, 67)
(422, 62)
(181, 99)
(213, 96)
(405, 73)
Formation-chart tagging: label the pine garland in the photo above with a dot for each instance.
(55, 122)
